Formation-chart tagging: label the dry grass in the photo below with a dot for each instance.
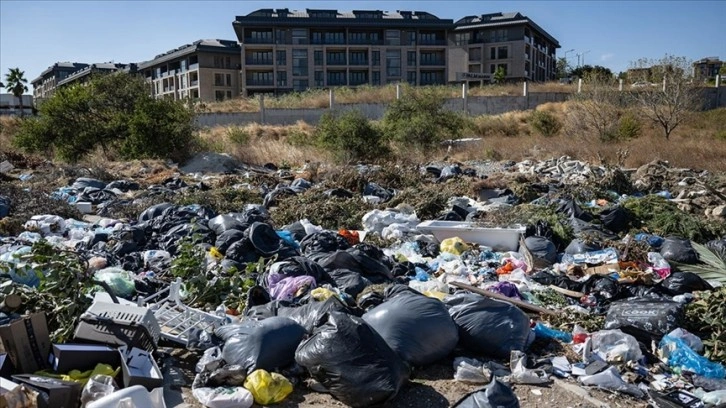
(9, 126)
(320, 98)
(260, 144)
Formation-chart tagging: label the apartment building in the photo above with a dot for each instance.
(206, 70)
(45, 84)
(706, 68)
(509, 41)
(286, 50)
(84, 74)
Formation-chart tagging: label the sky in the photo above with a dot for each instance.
(36, 34)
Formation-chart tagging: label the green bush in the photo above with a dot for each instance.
(545, 123)
(350, 136)
(721, 135)
(113, 113)
(238, 135)
(419, 120)
(629, 127)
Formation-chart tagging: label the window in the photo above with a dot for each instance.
(317, 38)
(299, 84)
(358, 58)
(498, 35)
(492, 68)
(493, 53)
(228, 62)
(462, 38)
(336, 58)
(393, 37)
(281, 36)
(218, 95)
(259, 78)
(183, 65)
(260, 37)
(504, 67)
(336, 78)
(281, 78)
(218, 62)
(503, 52)
(259, 58)
(334, 38)
(281, 57)
(299, 36)
(411, 77)
(411, 60)
(318, 57)
(357, 38)
(229, 94)
(218, 80)
(299, 62)
(475, 54)
(319, 79)
(376, 77)
(183, 81)
(358, 77)
(411, 37)
(376, 57)
(373, 37)
(432, 78)
(393, 63)
(428, 38)
(228, 79)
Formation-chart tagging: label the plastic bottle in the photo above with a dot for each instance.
(579, 335)
(660, 265)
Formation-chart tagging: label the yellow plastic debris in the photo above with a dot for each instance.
(268, 388)
(322, 294)
(215, 253)
(435, 294)
(82, 376)
(454, 245)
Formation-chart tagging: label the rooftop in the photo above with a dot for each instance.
(335, 14)
(501, 20)
(60, 66)
(199, 45)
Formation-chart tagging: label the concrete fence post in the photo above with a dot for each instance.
(332, 99)
(664, 84)
(525, 89)
(398, 91)
(718, 81)
(262, 108)
(465, 96)
(620, 85)
(579, 85)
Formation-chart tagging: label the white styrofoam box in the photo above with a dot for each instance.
(499, 239)
(84, 207)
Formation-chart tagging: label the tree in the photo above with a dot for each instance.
(595, 110)
(562, 68)
(593, 73)
(16, 81)
(499, 75)
(113, 113)
(671, 103)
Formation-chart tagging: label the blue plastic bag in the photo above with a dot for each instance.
(682, 357)
(542, 331)
(288, 238)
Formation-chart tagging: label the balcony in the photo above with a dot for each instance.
(354, 61)
(432, 42)
(330, 61)
(259, 82)
(337, 83)
(258, 41)
(192, 67)
(194, 83)
(258, 61)
(433, 62)
(364, 42)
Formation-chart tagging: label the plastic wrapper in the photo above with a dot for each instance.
(680, 356)
(224, 397)
(97, 387)
(268, 388)
(471, 371)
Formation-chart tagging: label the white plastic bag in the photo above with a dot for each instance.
(610, 380)
(523, 375)
(224, 397)
(615, 346)
(471, 371)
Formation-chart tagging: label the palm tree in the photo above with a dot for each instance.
(16, 84)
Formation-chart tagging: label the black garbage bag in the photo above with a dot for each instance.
(339, 193)
(656, 317)
(641, 291)
(495, 395)
(717, 246)
(83, 182)
(678, 283)
(300, 185)
(602, 287)
(352, 361)
(227, 238)
(561, 281)
(615, 219)
(450, 216)
(96, 196)
(242, 251)
(299, 266)
(679, 250)
(265, 240)
(373, 189)
(323, 241)
(487, 326)
(450, 171)
(570, 208)
(296, 229)
(578, 246)
(429, 249)
(348, 281)
(313, 314)
(541, 229)
(375, 253)
(224, 222)
(197, 232)
(123, 185)
(355, 260)
(266, 344)
(543, 251)
(584, 229)
(272, 198)
(417, 327)
(4, 206)
(404, 269)
(154, 211)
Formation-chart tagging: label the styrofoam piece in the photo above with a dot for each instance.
(84, 207)
(499, 239)
(134, 396)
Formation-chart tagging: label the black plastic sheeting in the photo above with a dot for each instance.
(323, 241)
(678, 250)
(487, 326)
(679, 283)
(718, 247)
(4, 206)
(268, 344)
(416, 327)
(352, 361)
(654, 317)
(495, 395)
(542, 249)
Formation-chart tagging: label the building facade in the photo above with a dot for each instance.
(10, 105)
(84, 74)
(284, 50)
(707, 68)
(206, 70)
(45, 84)
(287, 50)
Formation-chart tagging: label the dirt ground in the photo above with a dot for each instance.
(431, 387)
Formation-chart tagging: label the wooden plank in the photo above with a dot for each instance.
(515, 302)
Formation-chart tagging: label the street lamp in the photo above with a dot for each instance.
(583, 58)
(566, 64)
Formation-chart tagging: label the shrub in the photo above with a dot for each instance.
(350, 136)
(629, 127)
(721, 135)
(238, 135)
(545, 123)
(420, 120)
(114, 113)
(501, 125)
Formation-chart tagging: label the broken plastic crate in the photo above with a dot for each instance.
(120, 324)
(178, 320)
(499, 239)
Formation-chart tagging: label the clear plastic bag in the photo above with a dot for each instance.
(471, 371)
(97, 387)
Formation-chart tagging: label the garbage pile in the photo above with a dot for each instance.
(602, 293)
